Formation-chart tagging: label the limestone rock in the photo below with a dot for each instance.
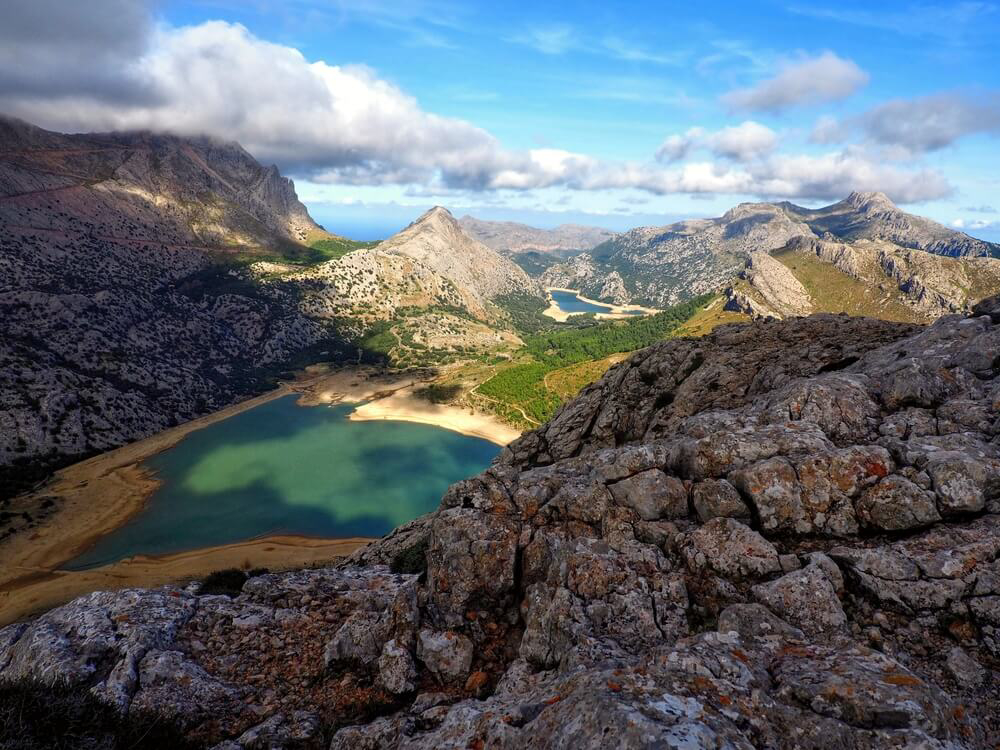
(653, 495)
(732, 549)
(717, 497)
(807, 598)
(896, 504)
(396, 669)
(447, 655)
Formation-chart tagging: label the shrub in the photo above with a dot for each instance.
(39, 716)
(228, 582)
(412, 559)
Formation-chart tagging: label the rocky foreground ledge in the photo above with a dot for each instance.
(782, 535)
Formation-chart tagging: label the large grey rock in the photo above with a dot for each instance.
(653, 495)
(446, 654)
(728, 547)
(897, 504)
(717, 498)
(807, 598)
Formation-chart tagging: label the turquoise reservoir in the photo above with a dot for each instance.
(280, 468)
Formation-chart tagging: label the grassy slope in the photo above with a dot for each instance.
(834, 291)
(554, 365)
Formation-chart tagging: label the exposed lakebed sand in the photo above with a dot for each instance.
(96, 496)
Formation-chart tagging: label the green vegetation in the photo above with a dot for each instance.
(523, 386)
(413, 559)
(526, 312)
(535, 263)
(525, 394)
(438, 393)
(35, 715)
(331, 248)
(832, 290)
(228, 582)
(566, 347)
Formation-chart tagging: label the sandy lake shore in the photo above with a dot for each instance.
(41, 590)
(96, 496)
(618, 312)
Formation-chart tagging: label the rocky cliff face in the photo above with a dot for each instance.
(665, 265)
(194, 191)
(118, 320)
(863, 277)
(872, 216)
(783, 534)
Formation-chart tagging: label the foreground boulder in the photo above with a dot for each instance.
(783, 535)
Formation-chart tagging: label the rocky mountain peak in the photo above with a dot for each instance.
(438, 242)
(871, 202)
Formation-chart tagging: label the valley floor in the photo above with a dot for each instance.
(97, 496)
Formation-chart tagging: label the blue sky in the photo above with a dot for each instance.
(612, 114)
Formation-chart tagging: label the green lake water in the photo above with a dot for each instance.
(570, 302)
(280, 468)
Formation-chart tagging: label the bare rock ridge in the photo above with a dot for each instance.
(193, 191)
(784, 534)
(665, 265)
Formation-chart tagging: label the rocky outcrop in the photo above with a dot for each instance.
(873, 277)
(781, 535)
(775, 290)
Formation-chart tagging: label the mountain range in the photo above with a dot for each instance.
(659, 266)
(148, 279)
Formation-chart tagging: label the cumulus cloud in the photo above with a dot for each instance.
(933, 122)
(744, 142)
(55, 48)
(345, 124)
(823, 177)
(811, 80)
(829, 130)
(975, 224)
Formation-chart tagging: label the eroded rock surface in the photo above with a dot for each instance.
(781, 535)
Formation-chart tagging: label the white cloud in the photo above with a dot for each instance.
(975, 224)
(933, 122)
(829, 130)
(744, 142)
(344, 124)
(810, 80)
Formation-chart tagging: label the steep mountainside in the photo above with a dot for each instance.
(865, 277)
(481, 274)
(514, 238)
(781, 535)
(193, 191)
(118, 319)
(129, 303)
(664, 265)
